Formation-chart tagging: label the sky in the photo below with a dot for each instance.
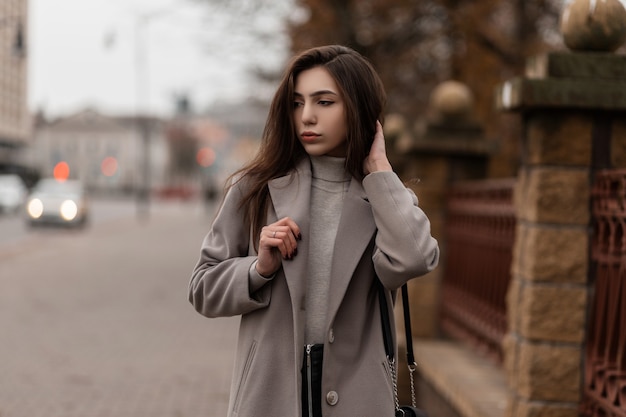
(124, 56)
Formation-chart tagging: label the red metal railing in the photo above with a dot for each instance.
(480, 228)
(605, 359)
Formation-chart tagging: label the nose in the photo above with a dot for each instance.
(308, 115)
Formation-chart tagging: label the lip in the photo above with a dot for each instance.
(309, 136)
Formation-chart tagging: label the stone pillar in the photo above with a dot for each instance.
(573, 107)
(446, 146)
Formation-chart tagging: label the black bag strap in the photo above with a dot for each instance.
(410, 357)
(384, 318)
(402, 411)
(386, 323)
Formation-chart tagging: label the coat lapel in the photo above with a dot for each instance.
(355, 232)
(291, 196)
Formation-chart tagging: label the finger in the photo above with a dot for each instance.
(294, 228)
(269, 237)
(379, 131)
(379, 127)
(293, 236)
(287, 224)
(285, 249)
(283, 235)
(288, 241)
(279, 238)
(379, 135)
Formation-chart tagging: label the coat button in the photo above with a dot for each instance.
(331, 336)
(332, 398)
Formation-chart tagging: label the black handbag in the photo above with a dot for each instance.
(401, 410)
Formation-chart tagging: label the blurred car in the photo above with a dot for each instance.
(13, 193)
(58, 202)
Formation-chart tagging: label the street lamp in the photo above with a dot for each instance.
(141, 114)
(143, 120)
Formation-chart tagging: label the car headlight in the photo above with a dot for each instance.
(69, 210)
(35, 208)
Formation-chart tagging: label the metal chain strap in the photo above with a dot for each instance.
(411, 371)
(394, 381)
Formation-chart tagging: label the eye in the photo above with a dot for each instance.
(325, 102)
(297, 104)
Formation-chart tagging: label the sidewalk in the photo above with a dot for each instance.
(98, 324)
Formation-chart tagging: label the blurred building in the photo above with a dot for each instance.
(185, 155)
(204, 149)
(14, 116)
(107, 153)
(244, 123)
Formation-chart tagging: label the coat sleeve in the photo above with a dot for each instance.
(220, 281)
(405, 248)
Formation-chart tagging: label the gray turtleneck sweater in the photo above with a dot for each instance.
(329, 185)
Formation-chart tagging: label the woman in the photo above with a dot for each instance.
(303, 236)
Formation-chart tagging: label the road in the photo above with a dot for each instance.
(14, 228)
(97, 323)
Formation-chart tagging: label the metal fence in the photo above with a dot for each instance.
(480, 227)
(605, 360)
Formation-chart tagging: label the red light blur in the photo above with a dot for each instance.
(61, 171)
(205, 157)
(108, 166)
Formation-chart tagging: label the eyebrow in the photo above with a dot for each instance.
(317, 93)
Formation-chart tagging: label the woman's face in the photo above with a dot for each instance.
(319, 114)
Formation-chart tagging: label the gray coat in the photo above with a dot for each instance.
(382, 232)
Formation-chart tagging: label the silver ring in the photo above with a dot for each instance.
(274, 235)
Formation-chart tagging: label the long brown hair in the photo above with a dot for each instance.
(280, 150)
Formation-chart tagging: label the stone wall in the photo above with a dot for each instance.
(572, 109)
(573, 114)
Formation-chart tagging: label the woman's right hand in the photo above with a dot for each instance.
(278, 241)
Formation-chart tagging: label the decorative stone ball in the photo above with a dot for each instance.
(451, 100)
(594, 25)
(396, 133)
(395, 125)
